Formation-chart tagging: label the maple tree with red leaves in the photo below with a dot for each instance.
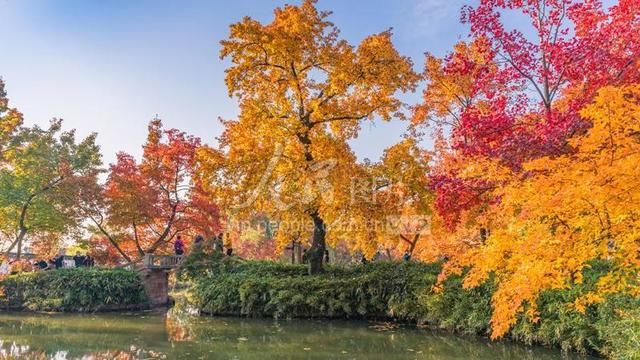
(144, 206)
(514, 95)
(509, 98)
(533, 179)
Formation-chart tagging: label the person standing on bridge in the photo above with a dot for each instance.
(78, 259)
(178, 246)
(59, 261)
(198, 243)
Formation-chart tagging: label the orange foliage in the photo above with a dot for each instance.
(303, 93)
(562, 213)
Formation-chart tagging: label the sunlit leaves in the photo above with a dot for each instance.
(144, 205)
(532, 176)
(303, 92)
(10, 119)
(565, 212)
(43, 178)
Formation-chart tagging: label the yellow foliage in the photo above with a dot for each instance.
(453, 82)
(560, 214)
(303, 93)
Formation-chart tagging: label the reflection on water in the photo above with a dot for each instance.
(175, 336)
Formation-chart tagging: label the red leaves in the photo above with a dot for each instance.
(514, 93)
(610, 44)
(530, 111)
(455, 195)
(152, 201)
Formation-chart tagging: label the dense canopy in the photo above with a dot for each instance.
(533, 177)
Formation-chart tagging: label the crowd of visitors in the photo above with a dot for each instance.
(8, 267)
(13, 266)
(217, 244)
(58, 262)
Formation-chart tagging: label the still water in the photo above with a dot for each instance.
(171, 336)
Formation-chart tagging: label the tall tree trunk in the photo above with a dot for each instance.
(316, 253)
(298, 254)
(137, 240)
(20, 237)
(22, 227)
(17, 243)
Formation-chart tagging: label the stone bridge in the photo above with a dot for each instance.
(154, 273)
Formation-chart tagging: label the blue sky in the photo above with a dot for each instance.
(110, 66)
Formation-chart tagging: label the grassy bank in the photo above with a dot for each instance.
(403, 292)
(77, 290)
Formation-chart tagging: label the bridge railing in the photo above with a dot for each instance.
(152, 261)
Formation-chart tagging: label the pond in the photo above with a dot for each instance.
(171, 336)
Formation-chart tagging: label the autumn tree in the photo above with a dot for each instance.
(570, 210)
(303, 93)
(144, 205)
(10, 120)
(42, 180)
(514, 94)
(519, 103)
(399, 197)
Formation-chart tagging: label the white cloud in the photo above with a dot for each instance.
(436, 18)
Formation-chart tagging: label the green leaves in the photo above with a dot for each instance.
(80, 290)
(46, 171)
(404, 292)
(261, 288)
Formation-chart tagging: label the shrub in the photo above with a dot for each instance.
(621, 335)
(404, 292)
(560, 324)
(257, 288)
(455, 309)
(82, 290)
